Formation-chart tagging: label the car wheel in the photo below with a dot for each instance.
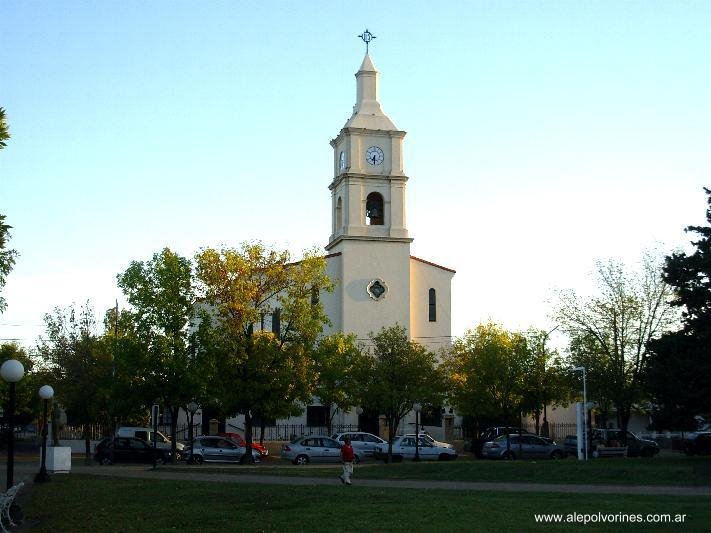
(646, 452)
(178, 456)
(197, 459)
(163, 460)
(508, 456)
(444, 457)
(105, 461)
(556, 454)
(301, 460)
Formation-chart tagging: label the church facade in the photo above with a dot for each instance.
(378, 283)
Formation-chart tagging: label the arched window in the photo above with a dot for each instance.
(374, 213)
(339, 215)
(433, 305)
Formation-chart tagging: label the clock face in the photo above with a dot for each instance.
(342, 161)
(374, 155)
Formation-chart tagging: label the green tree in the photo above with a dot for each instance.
(79, 364)
(679, 369)
(629, 311)
(398, 374)
(487, 370)
(240, 288)
(162, 298)
(7, 257)
(546, 378)
(585, 351)
(337, 360)
(4, 129)
(28, 404)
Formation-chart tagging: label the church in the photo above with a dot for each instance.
(378, 283)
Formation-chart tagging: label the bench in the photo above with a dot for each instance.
(7, 498)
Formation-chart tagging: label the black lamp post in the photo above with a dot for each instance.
(192, 407)
(359, 412)
(12, 372)
(417, 407)
(46, 393)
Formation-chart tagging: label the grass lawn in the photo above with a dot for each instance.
(675, 470)
(85, 503)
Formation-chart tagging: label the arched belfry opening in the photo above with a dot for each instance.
(339, 214)
(374, 212)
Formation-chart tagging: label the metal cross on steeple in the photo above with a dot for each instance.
(367, 37)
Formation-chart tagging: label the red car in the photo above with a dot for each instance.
(239, 440)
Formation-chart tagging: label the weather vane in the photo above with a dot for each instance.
(367, 37)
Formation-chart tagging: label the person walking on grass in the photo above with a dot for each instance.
(347, 461)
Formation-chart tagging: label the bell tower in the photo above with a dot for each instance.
(368, 187)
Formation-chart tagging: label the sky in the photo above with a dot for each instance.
(541, 137)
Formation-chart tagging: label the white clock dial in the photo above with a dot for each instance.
(374, 155)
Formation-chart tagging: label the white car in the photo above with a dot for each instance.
(429, 437)
(208, 449)
(404, 448)
(364, 444)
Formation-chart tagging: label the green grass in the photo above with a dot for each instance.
(85, 503)
(676, 470)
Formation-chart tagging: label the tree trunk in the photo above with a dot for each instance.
(248, 423)
(174, 432)
(87, 444)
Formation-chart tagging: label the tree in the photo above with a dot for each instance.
(487, 369)
(27, 404)
(546, 380)
(337, 360)
(679, 369)
(4, 129)
(79, 364)
(240, 289)
(7, 257)
(585, 351)
(161, 294)
(629, 311)
(399, 374)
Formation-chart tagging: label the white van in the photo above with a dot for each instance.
(146, 434)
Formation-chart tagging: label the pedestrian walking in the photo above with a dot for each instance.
(347, 461)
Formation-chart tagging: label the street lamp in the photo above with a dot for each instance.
(417, 407)
(46, 393)
(585, 407)
(192, 407)
(12, 372)
(359, 411)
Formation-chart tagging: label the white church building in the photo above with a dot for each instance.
(377, 282)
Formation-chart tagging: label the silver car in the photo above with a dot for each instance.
(364, 444)
(316, 449)
(405, 448)
(218, 449)
(522, 447)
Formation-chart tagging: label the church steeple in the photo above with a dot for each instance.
(367, 112)
(368, 189)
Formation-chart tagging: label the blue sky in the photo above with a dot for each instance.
(541, 136)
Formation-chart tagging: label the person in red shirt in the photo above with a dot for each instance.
(347, 461)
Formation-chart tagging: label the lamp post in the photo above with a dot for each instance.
(12, 372)
(192, 407)
(46, 393)
(585, 408)
(359, 411)
(417, 407)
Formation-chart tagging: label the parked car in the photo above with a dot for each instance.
(698, 443)
(214, 448)
(304, 450)
(429, 438)
(146, 434)
(404, 447)
(128, 450)
(522, 446)
(363, 443)
(614, 438)
(240, 440)
(489, 434)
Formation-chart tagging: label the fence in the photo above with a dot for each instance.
(556, 431)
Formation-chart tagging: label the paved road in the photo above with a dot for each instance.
(25, 471)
